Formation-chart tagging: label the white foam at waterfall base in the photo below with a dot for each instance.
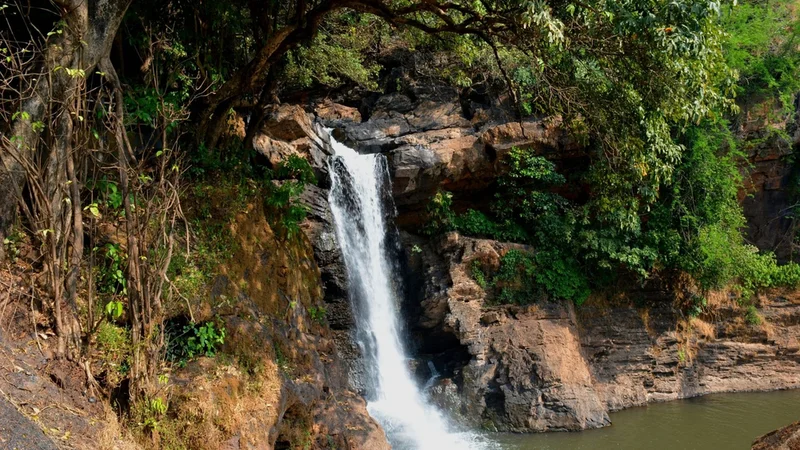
(395, 401)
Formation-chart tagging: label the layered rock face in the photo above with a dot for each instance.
(547, 367)
(786, 438)
(432, 140)
(645, 355)
(525, 371)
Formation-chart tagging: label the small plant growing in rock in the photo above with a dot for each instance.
(752, 316)
(441, 217)
(282, 197)
(204, 339)
(114, 310)
(157, 406)
(478, 275)
(12, 244)
(282, 361)
(296, 168)
(317, 314)
(111, 278)
(153, 410)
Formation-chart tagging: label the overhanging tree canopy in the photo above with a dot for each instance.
(623, 74)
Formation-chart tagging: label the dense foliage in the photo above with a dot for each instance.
(687, 219)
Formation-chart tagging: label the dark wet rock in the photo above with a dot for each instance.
(321, 232)
(767, 198)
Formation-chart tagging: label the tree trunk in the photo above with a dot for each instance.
(44, 160)
(211, 118)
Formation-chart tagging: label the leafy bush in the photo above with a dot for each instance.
(282, 197)
(476, 223)
(12, 242)
(203, 339)
(109, 194)
(194, 340)
(286, 212)
(317, 314)
(296, 168)
(441, 217)
(337, 54)
(762, 47)
(113, 352)
(561, 277)
(694, 227)
(526, 212)
(752, 316)
(111, 277)
(524, 277)
(515, 278)
(478, 275)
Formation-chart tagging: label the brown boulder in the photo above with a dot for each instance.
(786, 438)
(289, 130)
(275, 151)
(332, 112)
(545, 136)
(420, 169)
(287, 123)
(432, 115)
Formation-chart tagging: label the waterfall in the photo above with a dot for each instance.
(360, 198)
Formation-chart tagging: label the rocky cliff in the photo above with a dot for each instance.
(434, 139)
(548, 366)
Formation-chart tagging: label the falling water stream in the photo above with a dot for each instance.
(363, 211)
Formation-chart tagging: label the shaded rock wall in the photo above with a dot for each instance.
(289, 130)
(770, 176)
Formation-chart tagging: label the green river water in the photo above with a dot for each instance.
(720, 421)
